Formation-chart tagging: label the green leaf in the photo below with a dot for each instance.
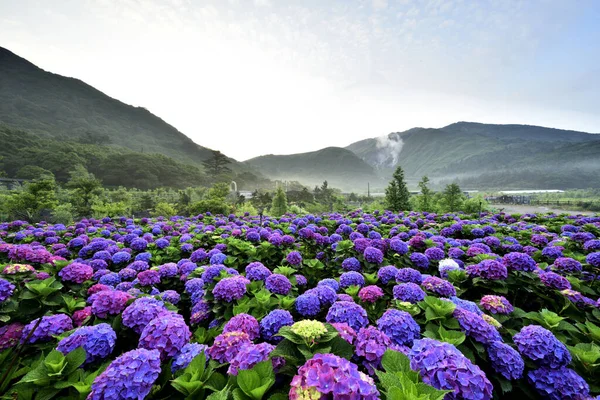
(341, 348)
(220, 395)
(248, 380)
(75, 359)
(394, 361)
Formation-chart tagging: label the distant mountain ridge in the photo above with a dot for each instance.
(341, 168)
(59, 107)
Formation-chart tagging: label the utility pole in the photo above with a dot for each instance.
(368, 190)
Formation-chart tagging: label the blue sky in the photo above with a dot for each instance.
(252, 77)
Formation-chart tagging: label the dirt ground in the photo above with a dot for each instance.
(523, 209)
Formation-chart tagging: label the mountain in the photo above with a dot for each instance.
(56, 107)
(341, 168)
(467, 150)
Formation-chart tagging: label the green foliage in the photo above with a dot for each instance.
(425, 199)
(255, 382)
(164, 209)
(452, 198)
(216, 164)
(279, 205)
(196, 378)
(400, 382)
(30, 201)
(63, 214)
(397, 194)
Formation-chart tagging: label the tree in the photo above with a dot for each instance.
(217, 164)
(34, 199)
(452, 198)
(85, 187)
(396, 194)
(425, 201)
(279, 206)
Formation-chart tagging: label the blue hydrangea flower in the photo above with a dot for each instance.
(349, 313)
(559, 384)
(167, 333)
(351, 264)
(98, 341)
(351, 278)
(49, 326)
(129, 376)
(542, 347)
(475, 326)
(505, 360)
(399, 326)
(278, 284)
(248, 356)
(410, 292)
(272, 322)
(6, 290)
(308, 305)
(187, 354)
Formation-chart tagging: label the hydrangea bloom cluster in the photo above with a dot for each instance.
(349, 313)
(116, 381)
(278, 284)
(330, 376)
(76, 273)
(230, 289)
(439, 286)
(476, 327)
(370, 294)
(10, 335)
(542, 347)
(244, 323)
(6, 290)
(496, 304)
(272, 323)
(505, 360)
(227, 345)
(399, 326)
(49, 326)
(167, 333)
(558, 384)
(187, 354)
(98, 341)
(109, 302)
(248, 356)
(371, 343)
(410, 292)
(444, 367)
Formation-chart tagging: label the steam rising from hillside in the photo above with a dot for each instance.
(390, 146)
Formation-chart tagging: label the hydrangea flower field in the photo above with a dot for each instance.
(354, 306)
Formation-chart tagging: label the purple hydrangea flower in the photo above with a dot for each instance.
(554, 280)
(345, 331)
(519, 262)
(475, 326)
(227, 345)
(419, 260)
(387, 274)
(98, 341)
(49, 326)
(370, 294)
(272, 323)
(308, 304)
(351, 264)
(6, 290)
(243, 323)
(435, 253)
(466, 305)
(76, 272)
(256, 271)
(348, 312)
(148, 278)
(488, 269)
(278, 284)
(143, 310)
(332, 283)
(496, 304)
(567, 264)
(167, 333)
(406, 275)
(593, 259)
(294, 258)
(330, 376)
(442, 366)
(505, 360)
(10, 335)
(170, 296)
(410, 292)
(81, 316)
(109, 302)
(351, 278)
(439, 286)
(399, 326)
(248, 356)
(129, 376)
(373, 255)
(371, 343)
(230, 289)
(187, 354)
(559, 384)
(542, 347)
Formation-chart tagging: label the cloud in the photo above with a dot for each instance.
(391, 146)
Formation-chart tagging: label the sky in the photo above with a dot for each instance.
(254, 77)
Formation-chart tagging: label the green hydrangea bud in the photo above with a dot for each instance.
(492, 321)
(309, 330)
